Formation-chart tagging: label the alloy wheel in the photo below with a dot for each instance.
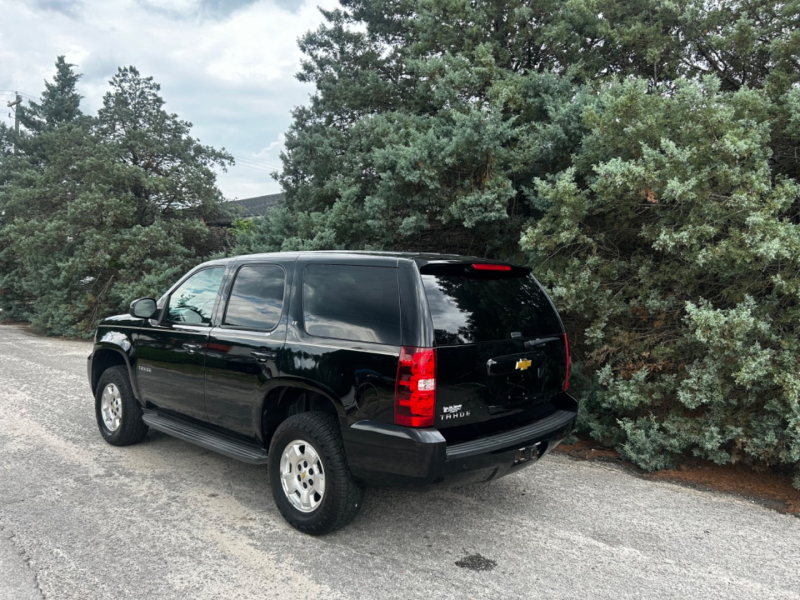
(111, 407)
(302, 476)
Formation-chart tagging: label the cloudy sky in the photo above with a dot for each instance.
(227, 66)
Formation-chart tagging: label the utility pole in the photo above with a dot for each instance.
(14, 106)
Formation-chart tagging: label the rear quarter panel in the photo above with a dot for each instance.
(360, 374)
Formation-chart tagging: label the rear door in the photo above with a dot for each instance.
(244, 351)
(501, 352)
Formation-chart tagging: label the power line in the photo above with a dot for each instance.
(255, 168)
(239, 161)
(253, 162)
(20, 93)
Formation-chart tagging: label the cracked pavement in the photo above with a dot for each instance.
(18, 581)
(164, 519)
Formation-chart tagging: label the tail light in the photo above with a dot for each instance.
(415, 391)
(566, 375)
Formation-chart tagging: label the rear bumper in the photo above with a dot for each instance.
(391, 455)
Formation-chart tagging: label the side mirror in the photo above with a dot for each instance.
(143, 308)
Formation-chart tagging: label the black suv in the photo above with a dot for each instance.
(343, 369)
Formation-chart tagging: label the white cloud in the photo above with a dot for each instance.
(271, 154)
(226, 66)
(252, 172)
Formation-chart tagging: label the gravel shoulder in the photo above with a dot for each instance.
(165, 519)
(768, 488)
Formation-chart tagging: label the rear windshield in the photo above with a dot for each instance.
(469, 310)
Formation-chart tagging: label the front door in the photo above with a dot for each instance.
(244, 350)
(171, 355)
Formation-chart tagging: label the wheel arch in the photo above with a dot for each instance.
(106, 356)
(292, 398)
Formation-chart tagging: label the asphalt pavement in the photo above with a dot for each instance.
(165, 519)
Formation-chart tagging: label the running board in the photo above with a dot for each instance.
(196, 434)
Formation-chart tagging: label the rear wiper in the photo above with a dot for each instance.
(532, 343)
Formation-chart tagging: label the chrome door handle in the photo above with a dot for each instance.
(264, 355)
(192, 348)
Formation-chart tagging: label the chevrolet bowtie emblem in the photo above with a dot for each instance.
(523, 363)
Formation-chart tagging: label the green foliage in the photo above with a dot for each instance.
(642, 156)
(433, 118)
(676, 266)
(423, 135)
(60, 101)
(96, 211)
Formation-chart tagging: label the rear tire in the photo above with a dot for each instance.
(119, 414)
(341, 498)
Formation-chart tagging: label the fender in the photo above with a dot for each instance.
(120, 344)
(295, 383)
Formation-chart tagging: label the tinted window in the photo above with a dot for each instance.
(352, 303)
(193, 301)
(256, 298)
(467, 311)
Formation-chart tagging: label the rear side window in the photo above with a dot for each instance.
(469, 311)
(350, 302)
(256, 298)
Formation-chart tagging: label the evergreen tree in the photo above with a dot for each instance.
(677, 269)
(642, 156)
(162, 169)
(432, 118)
(60, 101)
(98, 211)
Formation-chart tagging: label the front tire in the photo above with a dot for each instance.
(309, 476)
(119, 414)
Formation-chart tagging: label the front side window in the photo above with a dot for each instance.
(352, 303)
(193, 302)
(256, 300)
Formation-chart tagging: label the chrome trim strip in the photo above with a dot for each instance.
(373, 351)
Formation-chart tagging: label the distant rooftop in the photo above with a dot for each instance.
(257, 206)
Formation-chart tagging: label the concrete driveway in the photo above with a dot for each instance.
(82, 519)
